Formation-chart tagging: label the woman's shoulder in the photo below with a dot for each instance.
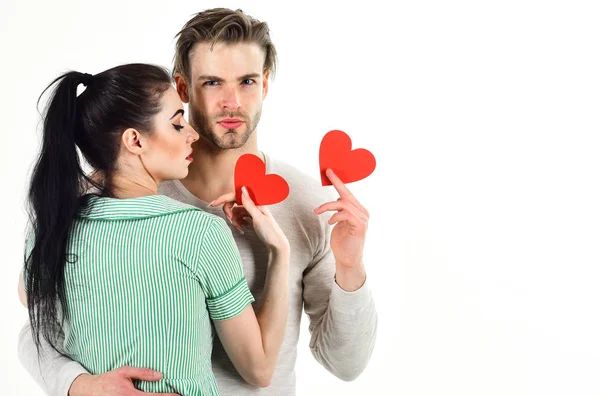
(161, 207)
(194, 213)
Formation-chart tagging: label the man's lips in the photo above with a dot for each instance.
(230, 123)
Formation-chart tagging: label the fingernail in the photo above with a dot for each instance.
(244, 190)
(210, 204)
(157, 375)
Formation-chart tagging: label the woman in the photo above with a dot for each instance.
(129, 277)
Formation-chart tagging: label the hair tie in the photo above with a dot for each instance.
(86, 79)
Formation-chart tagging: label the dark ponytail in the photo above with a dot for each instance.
(124, 97)
(53, 194)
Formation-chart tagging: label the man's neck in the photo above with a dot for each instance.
(211, 173)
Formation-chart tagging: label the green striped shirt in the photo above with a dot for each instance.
(144, 278)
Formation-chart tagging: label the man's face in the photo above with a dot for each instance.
(226, 89)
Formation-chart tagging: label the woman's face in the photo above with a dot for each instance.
(168, 150)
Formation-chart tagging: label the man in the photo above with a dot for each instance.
(223, 62)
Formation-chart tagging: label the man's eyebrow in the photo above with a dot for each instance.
(248, 76)
(180, 111)
(207, 77)
(210, 78)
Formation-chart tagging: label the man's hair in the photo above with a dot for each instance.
(222, 25)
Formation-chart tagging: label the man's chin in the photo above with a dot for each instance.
(231, 145)
(232, 140)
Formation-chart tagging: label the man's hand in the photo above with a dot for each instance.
(348, 235)
(118, 382)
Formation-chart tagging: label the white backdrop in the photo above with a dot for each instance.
(483, 246)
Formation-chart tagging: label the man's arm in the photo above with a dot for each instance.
(343, 320)
(342, 324)
(52, 372)
(58, 375)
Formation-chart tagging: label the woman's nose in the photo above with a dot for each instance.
(193, 134)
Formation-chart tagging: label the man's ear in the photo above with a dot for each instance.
(266, 75)
(131, 141)
(182, 87)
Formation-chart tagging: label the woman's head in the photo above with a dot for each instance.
(128, 122)
(123, 123)
(163, 154)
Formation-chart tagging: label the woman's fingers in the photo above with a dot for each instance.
(249, 204)
(228, 202)
(239, 215)
(228, 209)
(229, 197)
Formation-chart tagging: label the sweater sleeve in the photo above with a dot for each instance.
(52, 372)
(342, 324)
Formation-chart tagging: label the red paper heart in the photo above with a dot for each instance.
(264, 189)
(349, 165)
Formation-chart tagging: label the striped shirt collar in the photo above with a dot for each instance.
(104, 208)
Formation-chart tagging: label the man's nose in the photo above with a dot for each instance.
(230, 99)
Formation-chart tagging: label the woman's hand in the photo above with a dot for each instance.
(263, 222)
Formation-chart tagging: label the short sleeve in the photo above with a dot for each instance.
(222, 277)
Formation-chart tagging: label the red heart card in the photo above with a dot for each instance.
(349, 165)
(250, 171)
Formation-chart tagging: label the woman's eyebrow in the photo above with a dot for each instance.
(180, 111)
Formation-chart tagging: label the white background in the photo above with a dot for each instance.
(483, 245)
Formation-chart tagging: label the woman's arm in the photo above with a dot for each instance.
(252, 341)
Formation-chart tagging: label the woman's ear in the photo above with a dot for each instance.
(132, 141)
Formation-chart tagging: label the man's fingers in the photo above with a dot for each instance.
(140, 393)
(344, 191)
(144, 374)
(342, 205)
(356, 226)
(338, 184)
(341, 216)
